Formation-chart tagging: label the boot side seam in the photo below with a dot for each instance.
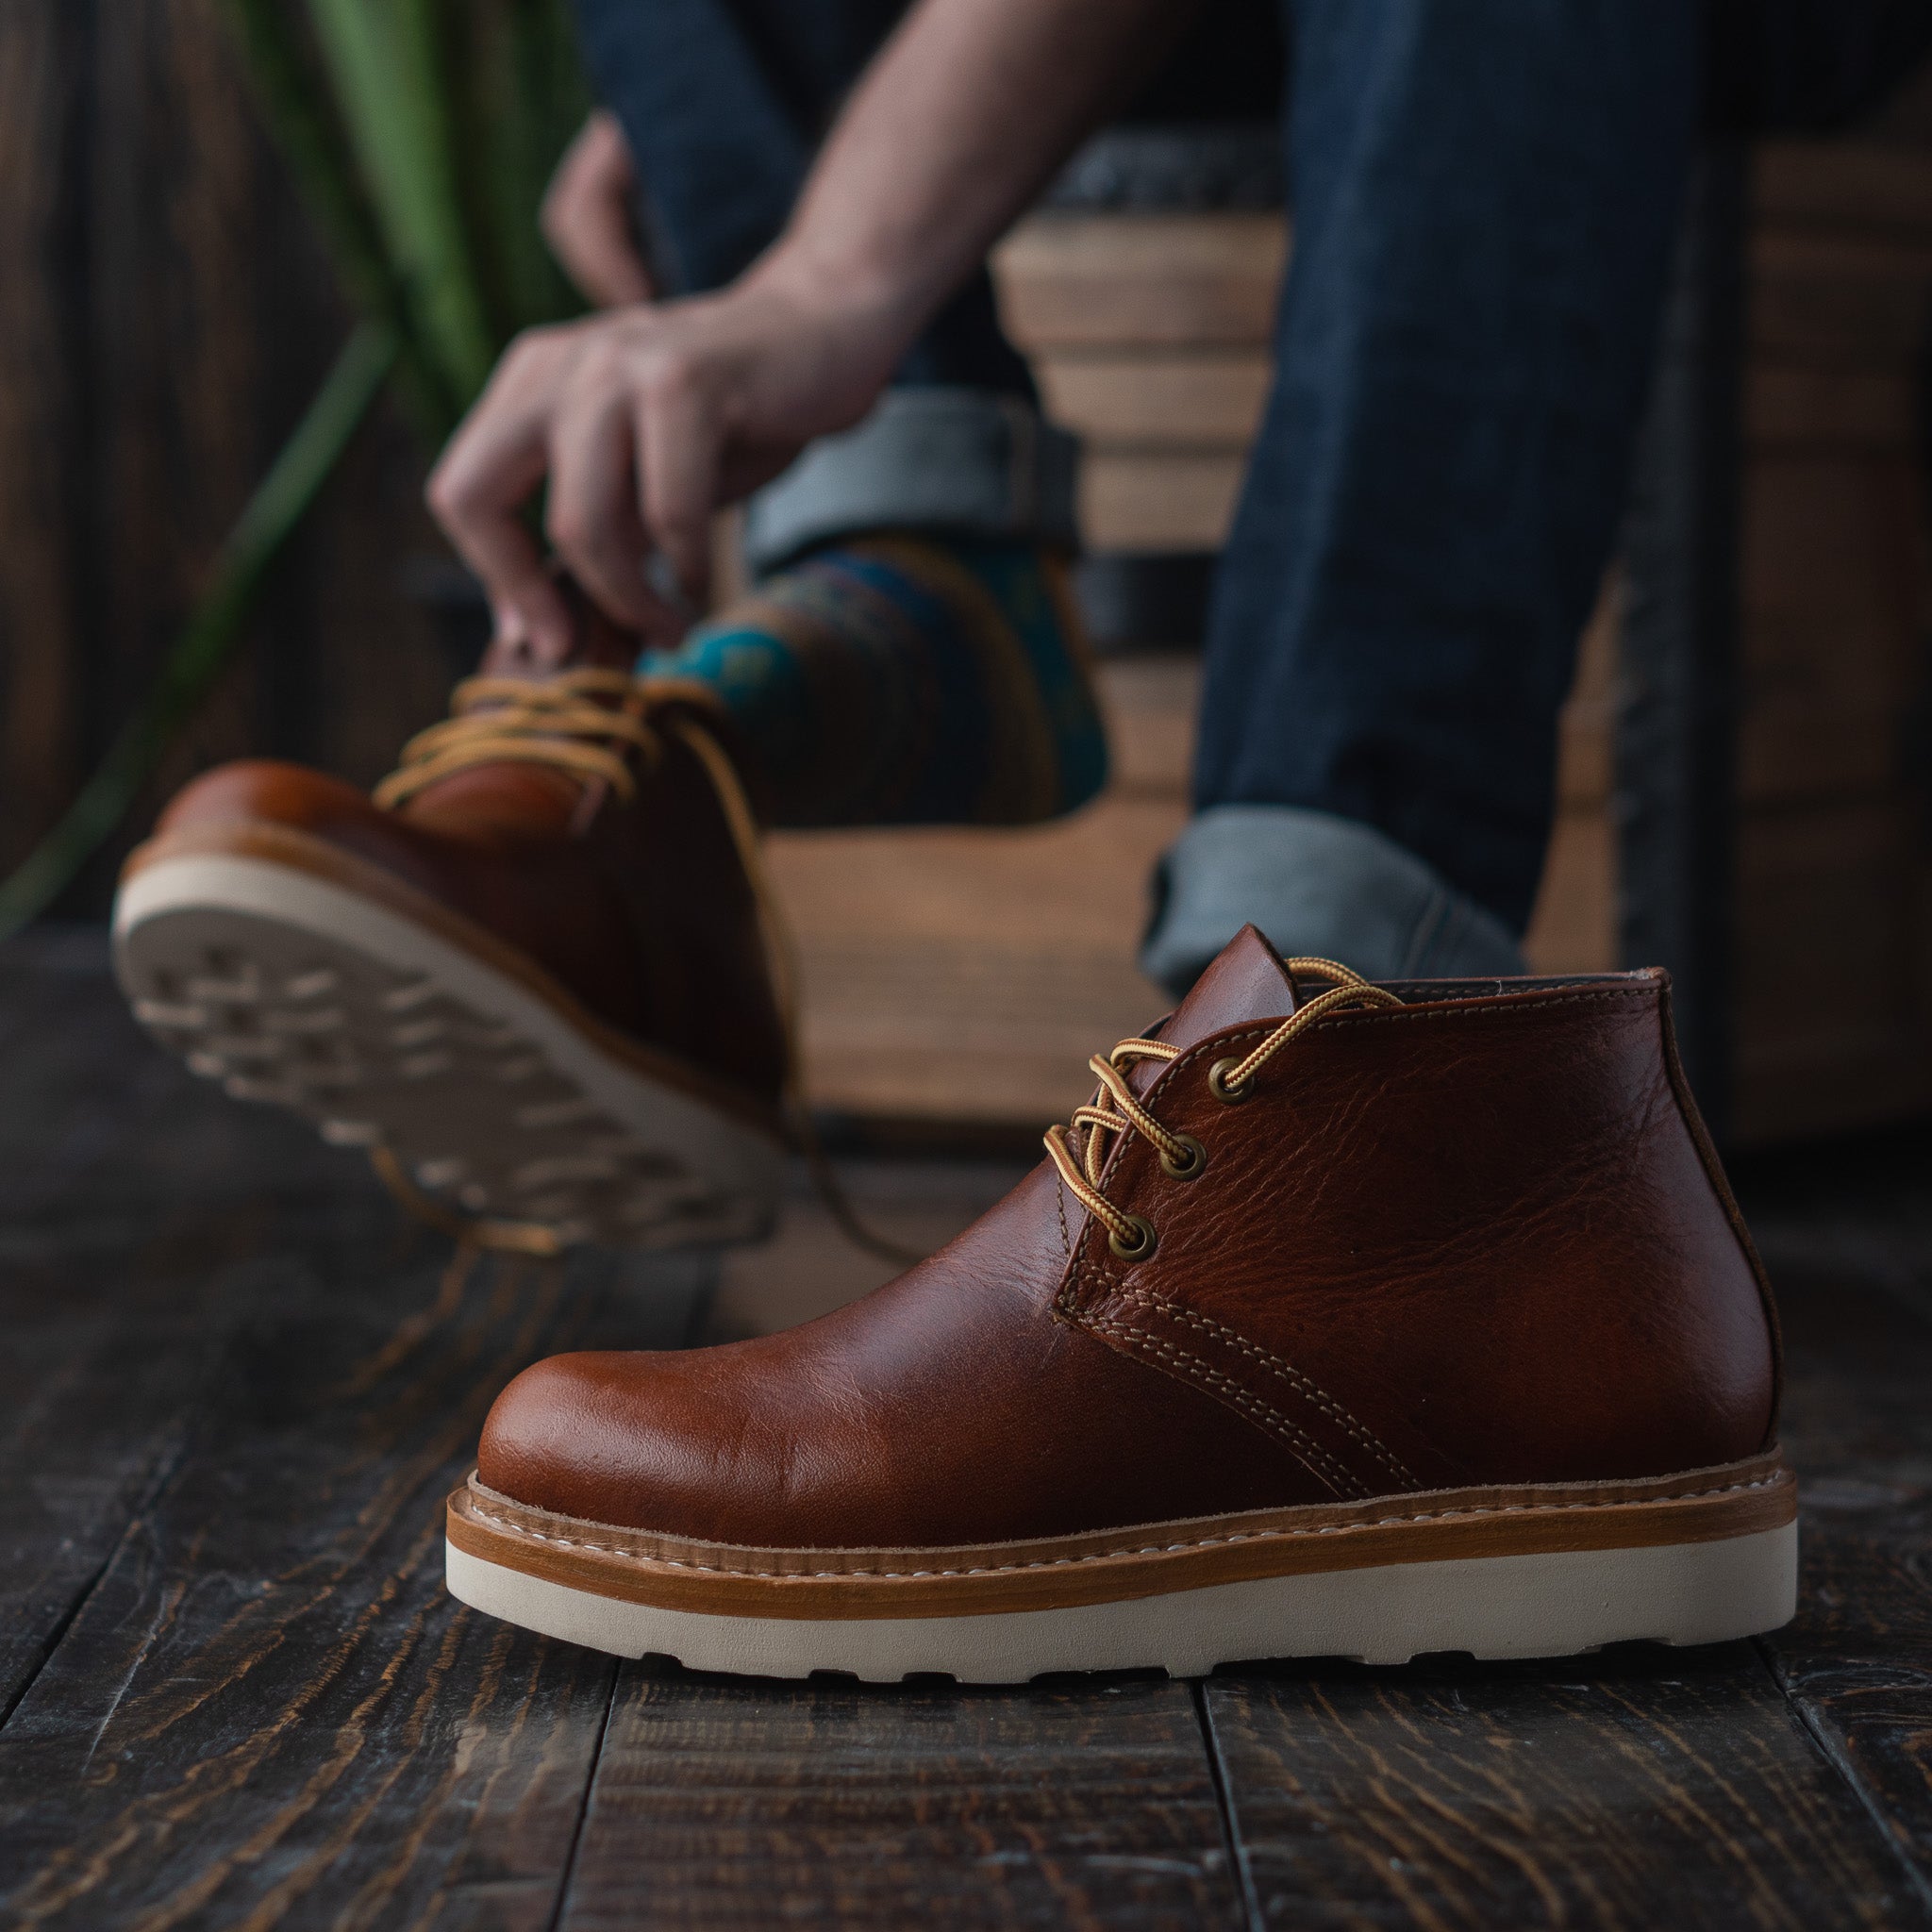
(1186, 1366)
(1691, 1117)
(1278, 1365)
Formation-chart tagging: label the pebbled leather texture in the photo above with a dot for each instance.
(641, 910)
(1475, 1241)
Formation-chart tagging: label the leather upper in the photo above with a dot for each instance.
(640, 909)
(1478, 1240)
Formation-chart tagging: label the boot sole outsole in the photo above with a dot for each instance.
(1540, 1570)
(296, 976)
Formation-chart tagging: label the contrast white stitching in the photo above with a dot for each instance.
(1317, 1458)
(1206, 1543)
(1286, 1370)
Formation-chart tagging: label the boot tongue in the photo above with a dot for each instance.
(1247, 981)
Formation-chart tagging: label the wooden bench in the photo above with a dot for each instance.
(965, 975)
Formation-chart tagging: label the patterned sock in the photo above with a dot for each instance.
(905, 681)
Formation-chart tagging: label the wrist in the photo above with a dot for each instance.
(843, 292)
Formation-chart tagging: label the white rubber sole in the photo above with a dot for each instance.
(291, 990)
(1549, 1604)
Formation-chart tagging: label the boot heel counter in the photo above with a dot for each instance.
(1725, 1203)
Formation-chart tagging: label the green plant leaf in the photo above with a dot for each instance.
(392, 88)
(518, 100)
(293, 88)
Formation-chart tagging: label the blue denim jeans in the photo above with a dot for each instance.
(1484, 199)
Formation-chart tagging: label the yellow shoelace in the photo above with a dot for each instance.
(583, 722)
(589, 723)
(1080, 1151)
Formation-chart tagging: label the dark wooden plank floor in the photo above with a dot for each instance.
(233, 1390)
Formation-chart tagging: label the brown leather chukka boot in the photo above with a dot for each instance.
(1347, 1320)
(528, 975)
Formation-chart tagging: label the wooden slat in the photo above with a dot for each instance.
(1844, 300)
(185, 381)
(1834, 570)
(42, 422)
(1152, 704)
(1637, 1791)
(1188, 401)
(1177, 501)
(1793, 406)
(1840, 883)
(1145, 281)
(1843, 186)
(746, 1805)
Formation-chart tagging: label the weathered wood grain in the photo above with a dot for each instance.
(1857, 1660)
(268, 1708)
(131, 1199)
(233, 1415)
(729, 1803)
(1634, 1790)
(106, 1352)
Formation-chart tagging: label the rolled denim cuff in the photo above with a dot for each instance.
(965, 462)
(1316, 885)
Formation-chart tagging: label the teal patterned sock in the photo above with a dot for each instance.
(907, 680)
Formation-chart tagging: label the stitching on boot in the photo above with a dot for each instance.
(1776, 1480)
(1289, 1373)
(1321, 1464)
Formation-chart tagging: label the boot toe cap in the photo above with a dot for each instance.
(596, 1436)
(265, 791)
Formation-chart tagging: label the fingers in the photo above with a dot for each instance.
(625, 420)
(594, 523)
(677, 440)
(585, 216)
(495, 461)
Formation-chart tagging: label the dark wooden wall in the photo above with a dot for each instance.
(165, 314)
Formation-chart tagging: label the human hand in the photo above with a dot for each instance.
(588, 212)
(645, 419)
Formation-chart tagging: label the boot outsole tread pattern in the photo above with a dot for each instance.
(287, 992)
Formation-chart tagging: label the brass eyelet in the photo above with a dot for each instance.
(1191, 1165)
(1140, 1248)
(1218, 1084)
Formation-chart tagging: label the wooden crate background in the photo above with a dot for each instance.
(1832, 831)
